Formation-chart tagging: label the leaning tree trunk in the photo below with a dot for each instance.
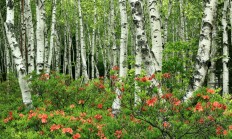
(225, 59)
(52, 37)
(19, 63)
(83, 50)
(123, 54)
(202, 59)
(40, 28)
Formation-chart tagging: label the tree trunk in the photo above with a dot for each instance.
(40, 28)
(166, 21)
(20, 65)
(225, 59)
(52, 36)
(123, 53)
(83, 50)
(202, 59)
(30, 36)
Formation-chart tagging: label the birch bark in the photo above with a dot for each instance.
(40, 28)
(52, 36)
(225, 59)
(203, 53)
(30, 36)
(83, 50)
(19, 63)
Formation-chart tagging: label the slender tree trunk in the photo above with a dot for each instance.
(20, 65)
(166, 21)
(52, 36)
(203, 53)
(123, 53)
(83, 50)
(30, 36)
(225, 59)
(182, 31)
(40, 28)
(57, 52)
(78, 56)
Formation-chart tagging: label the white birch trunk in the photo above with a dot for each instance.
(69, 52)
(52, 36)
(114, 47)
(203, 53)
(78, 56)
(123, 53)
(30, 36)
(166, 22)
(93, 42)
(57, 52)
(83, 50)
(40, 28)
(20, 65)
(182, 31)
(225, 59)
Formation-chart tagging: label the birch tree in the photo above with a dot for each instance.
(225, 58)
(18, 59)
(203, 53)
(30, 36)
(52, 36)
(40, 28)
(83, 50)
(123, 53)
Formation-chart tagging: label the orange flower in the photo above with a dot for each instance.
(99, 106)
(205, 97)
(166, 75)
(230, 127)
(115, 68)
(43, 117)
(67, 130)
(76, 136)
(81, 101)
(151, 102)
(199, 107)
(166, 124)
(225, 132)
(98, 117)
(211, 91)
(118, 133)
(167, 96)
(72, 106)
(55, 127)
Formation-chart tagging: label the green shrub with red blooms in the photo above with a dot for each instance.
(64, 108)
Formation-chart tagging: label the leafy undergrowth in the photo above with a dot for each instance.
(73, 109)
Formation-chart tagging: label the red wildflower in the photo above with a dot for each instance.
(144, 79)
(216, 104)
(76, 136)
(81, 101)
(67, 130)
(55, 127)
(99, 106)
(225, 132)
(115, 68)
(166, 124)
(230, 127)
(98, 117)
(205, 97)
(72, 106)
(199, 107)
(167, 96)
(113, 77)
(43, 117)
(166, 75)
(151, 102)
(219, 130)
(21, 115)
(211, 91)
(118, 133)
(210, 118)
(201, 121)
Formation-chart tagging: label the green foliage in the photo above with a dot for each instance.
(69, 109)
